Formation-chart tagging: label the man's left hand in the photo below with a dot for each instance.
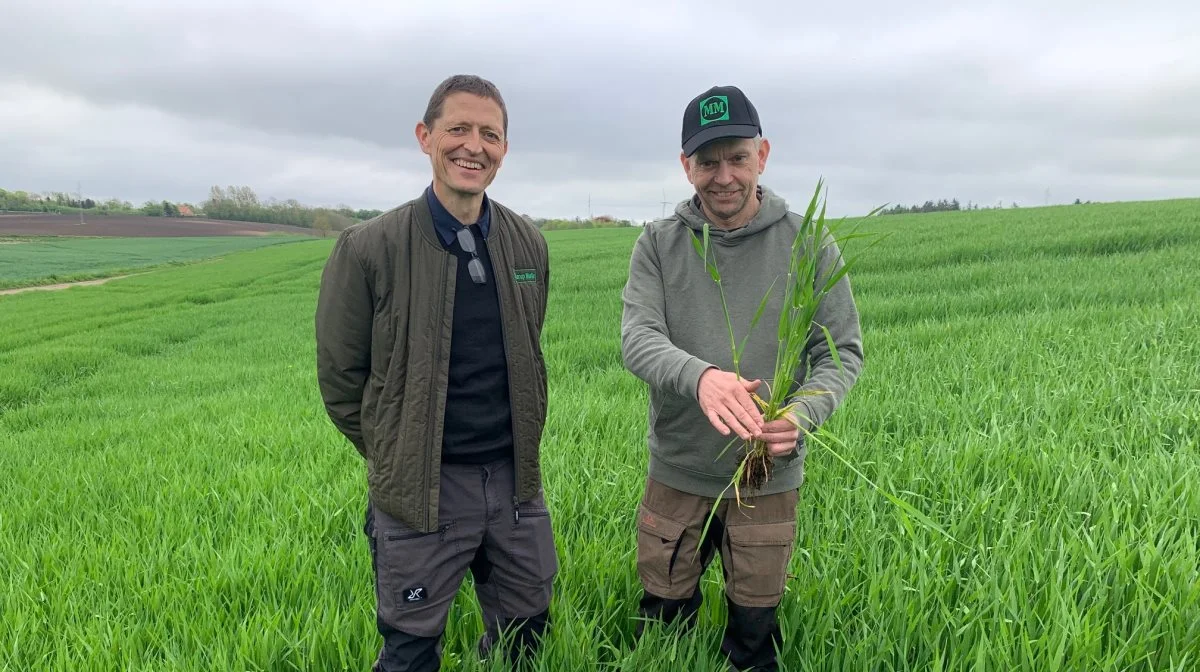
(780, 436)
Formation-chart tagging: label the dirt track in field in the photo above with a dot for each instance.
(23, 224)
(64, 285)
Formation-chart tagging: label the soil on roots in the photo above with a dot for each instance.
(758, 463)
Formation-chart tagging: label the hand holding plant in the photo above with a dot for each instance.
(725, 399)
(780, 436)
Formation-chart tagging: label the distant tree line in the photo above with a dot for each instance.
(230, 203)
(942, 205)
(951, 205)
(242, 204)
(59, 202)
(598, 222)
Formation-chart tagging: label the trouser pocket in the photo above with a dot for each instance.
(659, 547)
(516, 570)
(758, 555)
(417, 575)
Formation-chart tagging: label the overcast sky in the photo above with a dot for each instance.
(890, 102)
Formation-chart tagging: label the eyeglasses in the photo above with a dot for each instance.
(467, 241)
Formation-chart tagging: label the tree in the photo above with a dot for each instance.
(321, 223)
(942, 205)
(116, 205)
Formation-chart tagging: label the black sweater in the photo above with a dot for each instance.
(478, 422)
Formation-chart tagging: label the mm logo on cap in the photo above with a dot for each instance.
(714, 108)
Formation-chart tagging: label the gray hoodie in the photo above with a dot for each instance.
(673, 329)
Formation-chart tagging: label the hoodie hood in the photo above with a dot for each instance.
(771, 209)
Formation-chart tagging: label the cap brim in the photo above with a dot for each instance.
(716, 133)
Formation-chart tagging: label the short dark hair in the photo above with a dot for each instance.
(463, 84)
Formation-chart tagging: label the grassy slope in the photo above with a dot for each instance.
(180, 501)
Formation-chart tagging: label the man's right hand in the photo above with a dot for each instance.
(725, 399)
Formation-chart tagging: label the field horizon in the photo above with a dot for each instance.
(129, 226)
(177, 499)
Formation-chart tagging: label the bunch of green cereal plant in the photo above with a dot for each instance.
(805, 288)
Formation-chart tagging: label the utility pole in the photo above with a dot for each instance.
(665, 203)
(590, 207)
(79, 197)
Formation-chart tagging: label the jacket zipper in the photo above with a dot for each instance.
(437, 362)
(505, 317)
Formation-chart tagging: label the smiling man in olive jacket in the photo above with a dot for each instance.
(428, 327)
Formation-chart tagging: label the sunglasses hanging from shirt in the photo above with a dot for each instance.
(475, 266)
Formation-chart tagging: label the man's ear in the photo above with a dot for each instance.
(764, 150)
(422, 133)
(687, 169)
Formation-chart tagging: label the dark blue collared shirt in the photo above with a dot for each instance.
(447, 225)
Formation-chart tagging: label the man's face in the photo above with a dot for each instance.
(466, 144)
(725, 174)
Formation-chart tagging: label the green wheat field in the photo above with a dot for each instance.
(172, 496)
(29, 260)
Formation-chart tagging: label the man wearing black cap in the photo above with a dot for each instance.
(675, 338)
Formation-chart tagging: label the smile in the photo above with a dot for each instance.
(469, 165)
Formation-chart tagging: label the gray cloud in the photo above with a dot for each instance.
(890, 102)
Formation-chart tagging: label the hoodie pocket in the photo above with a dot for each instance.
(687, 440)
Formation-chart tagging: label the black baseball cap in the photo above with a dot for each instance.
(720, 112)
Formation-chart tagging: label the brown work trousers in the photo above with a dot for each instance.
(755, 543)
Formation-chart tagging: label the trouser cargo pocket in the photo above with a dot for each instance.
(659, 547)
(759, 557)
(417, 574)
(515, 570)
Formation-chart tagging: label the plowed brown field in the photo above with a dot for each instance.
(22, 224)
